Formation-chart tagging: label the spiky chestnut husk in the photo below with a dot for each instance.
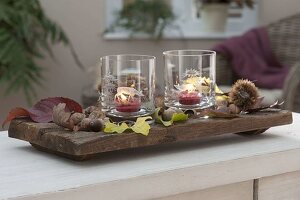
(244, 94)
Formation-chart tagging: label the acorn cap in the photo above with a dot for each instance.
(244, 94)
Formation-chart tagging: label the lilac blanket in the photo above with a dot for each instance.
(252, 58)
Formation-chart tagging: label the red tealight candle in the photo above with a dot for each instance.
(128, 106)
(126, 100)
(188, 95)
(189, 98)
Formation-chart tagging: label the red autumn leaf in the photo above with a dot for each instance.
(14, 113)
(42, 111)
(71, 105)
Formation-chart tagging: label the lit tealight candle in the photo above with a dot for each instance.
(127, 99)
(189, 95)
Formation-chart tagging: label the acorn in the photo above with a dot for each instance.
(96, 114)
(76, 118)
(96, 125)
(243, 94)
(223, 109)
(88, 124)
(234, 109)
(89, 110)
(168, 114)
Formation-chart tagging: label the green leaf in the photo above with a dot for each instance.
(157, 13)
(175, 118)
(179, 117)
(26, 33)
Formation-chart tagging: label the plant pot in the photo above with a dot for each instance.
(214, 17)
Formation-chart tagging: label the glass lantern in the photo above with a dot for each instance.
(190, 79)
(127, 85)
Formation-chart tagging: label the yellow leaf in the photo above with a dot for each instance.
(141, 126)
(218, 90)
(111, 127)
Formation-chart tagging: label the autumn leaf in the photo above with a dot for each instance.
(218, 90)
(276, 104)
(14, 113)
(179, 117)
(60, 116)
(141, 126)
(176, 117)
(158, 118)
(42, 111)
(112, 127)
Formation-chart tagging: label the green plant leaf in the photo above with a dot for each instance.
(26, 33)
(177, 117)
(157, 13)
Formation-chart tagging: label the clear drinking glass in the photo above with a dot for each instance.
(190, 78)
(127, 85)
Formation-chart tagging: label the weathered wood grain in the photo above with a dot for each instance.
(82, 145)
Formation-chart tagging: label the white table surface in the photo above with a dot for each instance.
(151, 172)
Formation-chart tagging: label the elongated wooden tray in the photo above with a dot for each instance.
(84, 145)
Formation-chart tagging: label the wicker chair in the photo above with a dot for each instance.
(285, 42)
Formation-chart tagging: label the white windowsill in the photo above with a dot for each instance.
(191, 35)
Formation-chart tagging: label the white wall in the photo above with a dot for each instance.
(83, 21)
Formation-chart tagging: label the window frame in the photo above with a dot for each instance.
(189, 27)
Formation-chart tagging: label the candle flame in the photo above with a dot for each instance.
(189, 87)
(123, 97)
(126, 94)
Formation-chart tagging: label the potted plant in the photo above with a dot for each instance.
(214, 13)
(149, 17)
(26, 33)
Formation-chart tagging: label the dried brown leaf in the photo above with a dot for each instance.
(60, 116)
(276, 104)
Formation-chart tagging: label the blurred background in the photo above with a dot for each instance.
(97, 28)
